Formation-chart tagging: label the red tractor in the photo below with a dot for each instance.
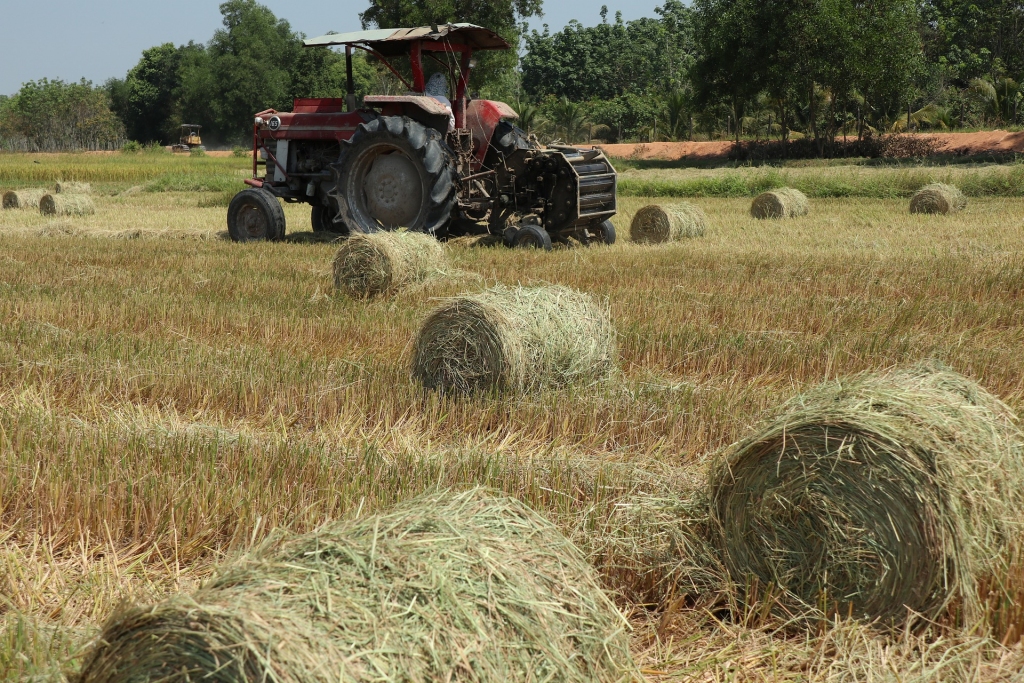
(418, 161)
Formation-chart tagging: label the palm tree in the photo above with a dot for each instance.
(676, 120)
(568, 118)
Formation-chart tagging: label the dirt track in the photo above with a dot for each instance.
(990, 142)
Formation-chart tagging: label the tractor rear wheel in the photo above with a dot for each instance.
(255, 215)
(394, 173)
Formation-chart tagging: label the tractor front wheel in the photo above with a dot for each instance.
(255, 215)
(322, 219)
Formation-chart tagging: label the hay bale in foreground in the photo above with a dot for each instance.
(876, 494)
(515, 338)
(654, 223)
(70, 187)
(938, 198)
(381, 262)
(23, 199)
(66, 205)
(448, 587)
(785, 202)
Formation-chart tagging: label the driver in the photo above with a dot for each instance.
(437, 88)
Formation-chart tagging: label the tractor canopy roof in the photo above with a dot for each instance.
(395, 41)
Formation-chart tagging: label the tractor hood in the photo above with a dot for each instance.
(392, 41)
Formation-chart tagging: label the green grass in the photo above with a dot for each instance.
(822, 181)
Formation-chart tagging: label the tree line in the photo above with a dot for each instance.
(739, 69)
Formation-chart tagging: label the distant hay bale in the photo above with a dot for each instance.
(654, 223)
(785, 202)
(938, 198)
(23, 199)
(876, 495)
(515, 338)
(70, 187)
(381, 262)
(66, 205)
(447, 587)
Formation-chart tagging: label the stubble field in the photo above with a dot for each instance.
(168, 397)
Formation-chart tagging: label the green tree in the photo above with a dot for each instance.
(53, 115)
(505, 17)
(608, 60)
(146, 100)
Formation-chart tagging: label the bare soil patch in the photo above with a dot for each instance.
(967, 144)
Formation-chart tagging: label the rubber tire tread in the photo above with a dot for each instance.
(430, 151)
(607, 231)
(270, 206)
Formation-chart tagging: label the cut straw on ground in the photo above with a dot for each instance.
(446, 587)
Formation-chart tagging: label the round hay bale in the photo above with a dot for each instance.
(785, 202)
(938, 198)
(655, 223)
(518, 339)
(23, 199)
(70, 187)
(382, 262)
(875, 495)
(66, 205)
(447, 587)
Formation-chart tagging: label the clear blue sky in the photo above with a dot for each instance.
(71, 39)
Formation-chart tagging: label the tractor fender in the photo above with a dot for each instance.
(482, 117)
(421, 108)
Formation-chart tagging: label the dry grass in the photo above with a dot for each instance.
(164, 402)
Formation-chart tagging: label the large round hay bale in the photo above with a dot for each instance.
(71, 187)
(66, 205)
(382, 262)
(23, 199)
(517, 338)
(875, 495)
(938, 198)
(785, 202)
(450, 587)
(655, 223)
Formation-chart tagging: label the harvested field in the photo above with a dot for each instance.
(168, 403)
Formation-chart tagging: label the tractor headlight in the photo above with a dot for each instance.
(259, 121)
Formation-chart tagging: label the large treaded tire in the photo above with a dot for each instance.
(255, 215)
(430, 156)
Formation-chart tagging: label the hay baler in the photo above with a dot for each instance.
(419, 161)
